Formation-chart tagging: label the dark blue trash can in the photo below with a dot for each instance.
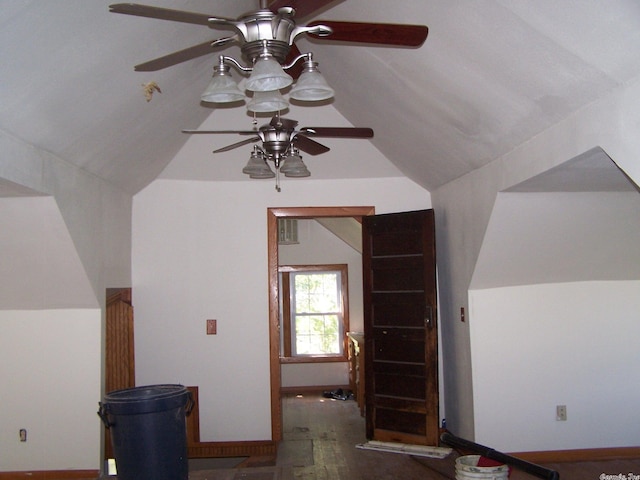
(148, 431)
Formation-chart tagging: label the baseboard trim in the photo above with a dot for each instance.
(579, 455)
(50, 475)
(257, 448)
(308, 389)
(259, 452)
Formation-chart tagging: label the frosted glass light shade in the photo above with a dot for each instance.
(267, 102)
(268, 75)
(222, 89)
(311, 87)
(293, 166)
(257, 167)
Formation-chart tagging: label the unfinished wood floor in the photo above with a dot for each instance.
(320, 436)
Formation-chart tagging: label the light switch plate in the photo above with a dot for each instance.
(212, 327)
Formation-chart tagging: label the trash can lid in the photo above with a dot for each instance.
(145, 399)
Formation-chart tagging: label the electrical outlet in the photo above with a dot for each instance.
(561, 413)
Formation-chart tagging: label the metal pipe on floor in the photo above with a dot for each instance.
(488, 452)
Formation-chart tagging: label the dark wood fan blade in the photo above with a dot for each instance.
(160, 13)
(236, 145)
(303, 8)
(309, 146)
(208, 132)
(344, 132)
(175, 58)
(377, 33)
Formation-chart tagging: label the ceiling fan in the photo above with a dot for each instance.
(281, 143)
(266, 38)
(273, 23)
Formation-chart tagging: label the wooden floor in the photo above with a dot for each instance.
(320, 438)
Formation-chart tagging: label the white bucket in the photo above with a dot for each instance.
(467, 469)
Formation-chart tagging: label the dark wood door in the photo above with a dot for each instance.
(400, 326)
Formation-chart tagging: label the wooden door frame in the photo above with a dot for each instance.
(273, 214)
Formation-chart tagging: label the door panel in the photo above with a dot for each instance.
(399, 345)
(399, 271)
(396, 420)
(404, 309)
(395, 385)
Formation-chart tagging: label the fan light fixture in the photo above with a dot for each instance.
(268, 38)
(290, 164)
(222, 89)
(266, 80)
(267, 75)
(257, 167)
(272, 101)
(311, 86)
(293, 166)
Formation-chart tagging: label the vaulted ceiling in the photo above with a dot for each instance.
(491, 75)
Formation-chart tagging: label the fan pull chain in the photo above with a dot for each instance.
(278, 180)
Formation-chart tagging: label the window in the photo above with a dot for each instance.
(314, 312)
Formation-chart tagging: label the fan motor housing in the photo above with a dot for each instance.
(253, 50)
(276, 141)
(265, 29)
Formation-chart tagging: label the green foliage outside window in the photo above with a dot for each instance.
(317, 313)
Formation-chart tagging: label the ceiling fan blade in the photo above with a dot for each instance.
(344, 132)
(312, 147)
(237, 144)
(303, 8)
(178, 57)
(160, 13)
(377, 33)
(285, 123)
(208, 132)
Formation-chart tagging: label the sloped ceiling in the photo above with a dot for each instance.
(347, 229)
(491, 75)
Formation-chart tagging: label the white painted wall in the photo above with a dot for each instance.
(464, 206)
(50, 370)
(199, 252)
(319, 246)
(534, 347)
(40, 267)
(541, 337)
(553, 237)
(66, 237)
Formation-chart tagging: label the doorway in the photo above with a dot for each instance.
(273, 215)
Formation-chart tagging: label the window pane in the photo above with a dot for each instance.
(316, 292)
(317, 334)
